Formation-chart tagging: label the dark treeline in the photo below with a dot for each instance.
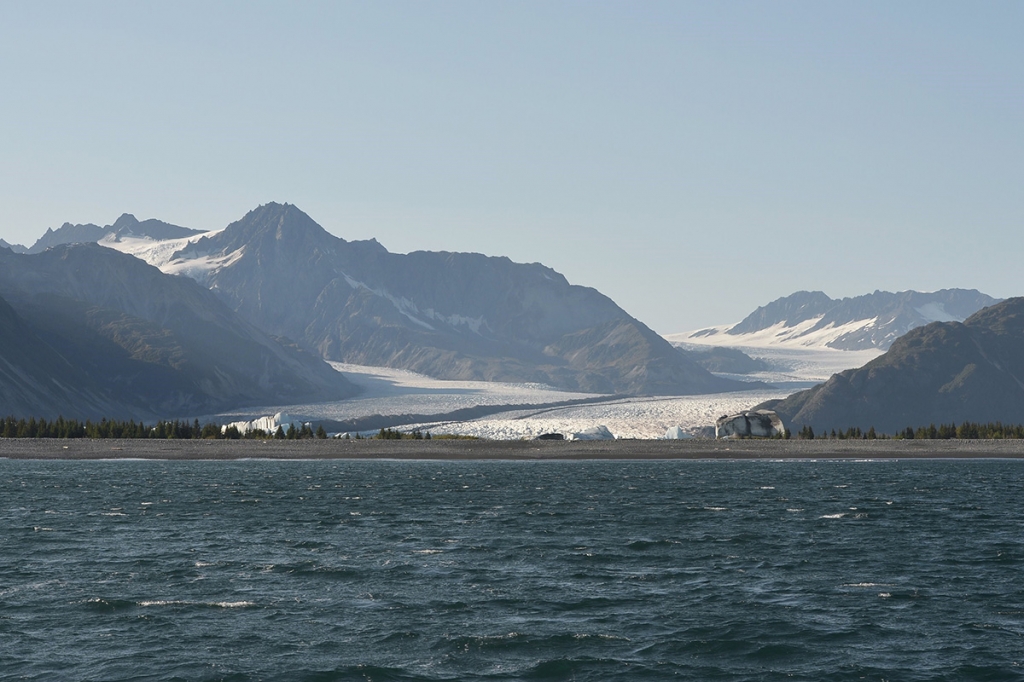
(965, 431)
(60, 427)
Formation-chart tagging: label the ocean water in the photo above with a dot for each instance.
(386, 570)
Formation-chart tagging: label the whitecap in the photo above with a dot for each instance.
(832, 516)
(180, 602)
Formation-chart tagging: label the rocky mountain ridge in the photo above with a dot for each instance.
(812, 319)
(447, 315)
(125, 226)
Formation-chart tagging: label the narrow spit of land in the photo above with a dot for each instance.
(438, 449)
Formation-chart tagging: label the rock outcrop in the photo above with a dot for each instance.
(751, 424)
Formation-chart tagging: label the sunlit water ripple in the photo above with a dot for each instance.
(361, 570)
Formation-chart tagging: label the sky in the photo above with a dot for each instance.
(691, 160)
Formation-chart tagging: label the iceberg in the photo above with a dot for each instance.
(266, 424)
(676, 433)
(594, 433)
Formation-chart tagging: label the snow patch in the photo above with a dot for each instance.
(412, 311)
(802, 335)
(404, 305)
(797, 356)
(202, 267)
(160, 254)
(473, 323)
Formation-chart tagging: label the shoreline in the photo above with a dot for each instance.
(438, 449)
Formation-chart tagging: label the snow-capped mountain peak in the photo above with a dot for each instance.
(813, 320)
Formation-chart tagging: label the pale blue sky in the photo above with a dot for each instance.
(690, 160)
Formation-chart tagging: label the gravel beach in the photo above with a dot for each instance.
(439, 449)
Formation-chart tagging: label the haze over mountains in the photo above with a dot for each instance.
(812, 319)
(248, 314)
(125, 226)
(944, 372)
(113, 336)
(90, 332)
(448, 315)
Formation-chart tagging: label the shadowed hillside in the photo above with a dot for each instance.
(941, 373)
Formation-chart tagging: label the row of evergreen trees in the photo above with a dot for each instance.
(965, 431)
(11, 427)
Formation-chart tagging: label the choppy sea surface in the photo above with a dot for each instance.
(388, 570)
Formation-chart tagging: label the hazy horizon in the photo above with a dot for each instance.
(691, 161)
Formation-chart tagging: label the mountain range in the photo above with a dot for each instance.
(943, 372)
(125, 226)
(812, 319)
(148, 319)
(461, 316)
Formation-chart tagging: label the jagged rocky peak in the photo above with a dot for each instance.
(789, 310)
(16, 248)
(283, 227)
(281, 222)
(125, 226)
(125, 223)
(871, 321)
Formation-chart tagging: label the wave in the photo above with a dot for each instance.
(102, 604)
(649, 544)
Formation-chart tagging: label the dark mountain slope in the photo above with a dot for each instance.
(448, 315)
(35, 380)
(158, 344)
(941, 373)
